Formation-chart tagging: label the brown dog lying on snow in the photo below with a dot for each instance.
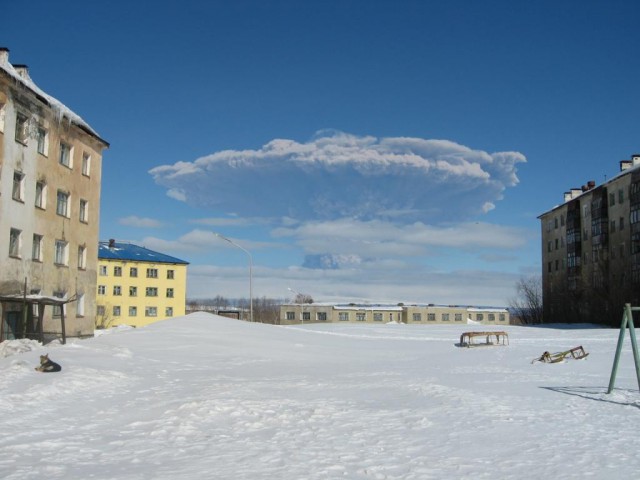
(47, 365)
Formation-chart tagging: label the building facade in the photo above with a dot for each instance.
(291, 314)
(50, 173)
(591, 250)
(137, 286)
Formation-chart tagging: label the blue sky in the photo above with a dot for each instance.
(393, 151)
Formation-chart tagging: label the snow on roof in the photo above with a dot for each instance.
(129, 251)
(60, 110)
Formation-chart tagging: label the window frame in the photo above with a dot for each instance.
(83, 214)
(22, 128)
(61, 253)
(86, 164)
(17, 191)
(151, 292)
(65, 160)
(36, 247)
(41, 195)
(62, 203)
(42, 139)
(15, 242)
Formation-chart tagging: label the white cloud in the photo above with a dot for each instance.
(177, 194)
(337, 175)
(199, 241)
(379, 239)
(406, 284)
(231, 221)
(142, 222)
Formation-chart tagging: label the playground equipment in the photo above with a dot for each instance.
(467, 339)
(627, 320)
(576, 353)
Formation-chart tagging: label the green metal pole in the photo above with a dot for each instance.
(616, 359)
(634, 344)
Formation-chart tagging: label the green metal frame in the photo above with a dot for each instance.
(627, 321)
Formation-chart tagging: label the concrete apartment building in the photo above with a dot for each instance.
(50, 171)
(591, 250)
(296, 313)
(137, 286)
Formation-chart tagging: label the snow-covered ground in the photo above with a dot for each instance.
(205, 397)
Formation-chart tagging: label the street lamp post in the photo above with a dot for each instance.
(250, 271)
(300, 296)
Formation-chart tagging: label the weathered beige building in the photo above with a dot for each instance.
(591, 250)
(296, 313)
(50, 169)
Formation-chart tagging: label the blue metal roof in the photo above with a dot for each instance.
(128, 251)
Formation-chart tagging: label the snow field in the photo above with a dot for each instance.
(207, 397)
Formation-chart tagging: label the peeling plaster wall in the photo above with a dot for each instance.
(45, 276)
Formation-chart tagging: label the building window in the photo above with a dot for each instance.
(65, 155)
(620, 196)
(133, 311)
(612, 199)
(417, 317)
(133, 272)
(14, 242)
(61, 257)
(36, 249)
(117, 271)
(458, 317)
(86, 164)
(102, 290)
(492, 317)
(43, 143)
(103, 270)
(150, 311)
(62, 206)
(169, 292)
(621, 223)
(117, 290)
(41, 195)
(360, 317)
(18, 187)
(343, 316)
(84, 211)
(151, 292)
(82, 257)
(431, 317)
(80, 305)
(501, 317)
(100, 310)
(116, 310)
(170, 274)
(22, 128)
(445, 317)
(291, 315)
(377, 317)
(168, 312)
(133, 291)
(480, 317)
(152, 273)
(321, 316)
(306, 316)
(57, 309)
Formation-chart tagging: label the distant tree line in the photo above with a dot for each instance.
(265, 310)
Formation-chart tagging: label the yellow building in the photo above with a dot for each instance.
(137, 286)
